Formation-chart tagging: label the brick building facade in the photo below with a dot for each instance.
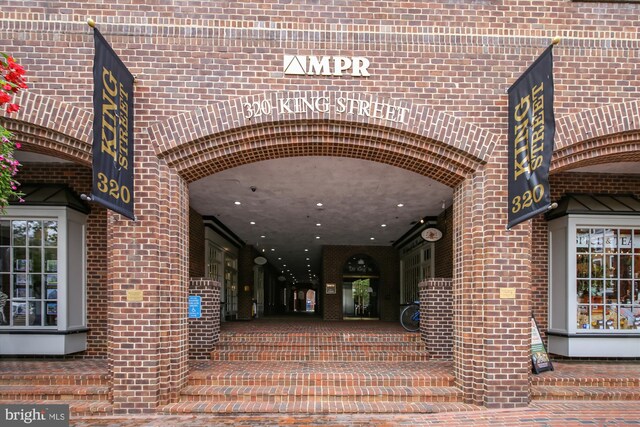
(438, 70)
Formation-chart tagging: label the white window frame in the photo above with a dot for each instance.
(565, 338)
(69, 335)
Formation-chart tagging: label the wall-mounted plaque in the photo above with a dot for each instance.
(134, 295)
(331, 288)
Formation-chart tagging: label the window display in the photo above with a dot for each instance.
(608, 278)
(31, 291)
(43, 275)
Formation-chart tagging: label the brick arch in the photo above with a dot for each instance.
(46, 126)
(219, 137)
(603, 135)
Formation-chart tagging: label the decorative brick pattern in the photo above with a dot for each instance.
(205, 331)
(436, 317)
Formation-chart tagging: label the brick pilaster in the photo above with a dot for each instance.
(436, 317)
(205, 331)
(147, 277)
(491, 351)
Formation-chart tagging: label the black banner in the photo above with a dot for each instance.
(531, 134)
(112, 130)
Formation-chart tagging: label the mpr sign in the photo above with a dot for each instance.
(310, 65)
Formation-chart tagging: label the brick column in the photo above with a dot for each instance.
(245, 281)
(492, 330)
(148, 283)
(205, 331)
(436, 317)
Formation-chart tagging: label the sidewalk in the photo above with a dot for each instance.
(562, 414)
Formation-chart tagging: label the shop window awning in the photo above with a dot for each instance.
(595, 204)
(50, 195)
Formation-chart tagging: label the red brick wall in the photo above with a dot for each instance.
(386, 258)
(245, 281)
(196, 244)
(78, 178)
(444, 246)
(562, 183)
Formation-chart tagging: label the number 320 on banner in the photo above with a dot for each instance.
(527, 199)
(113, 189)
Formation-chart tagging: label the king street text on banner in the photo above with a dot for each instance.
(112, 130)
(531, 134)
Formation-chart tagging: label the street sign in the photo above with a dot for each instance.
(195, 307)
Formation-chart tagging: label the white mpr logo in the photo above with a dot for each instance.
(326, 65)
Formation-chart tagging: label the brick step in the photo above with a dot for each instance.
(349, 355)
(324, 394)
(629, 381)
(311, 338)
(316, 407)
(387, 346)
(55, 379)
(54, 392)
(584, 393)
(322, 374)
(76, 407)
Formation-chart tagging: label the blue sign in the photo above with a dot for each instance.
(195, 307)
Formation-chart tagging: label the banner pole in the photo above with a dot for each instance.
(91, 23)
(555, 40)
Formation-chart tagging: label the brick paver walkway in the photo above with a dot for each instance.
(565, 414)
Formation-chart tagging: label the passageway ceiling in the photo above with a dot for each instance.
(357, 198)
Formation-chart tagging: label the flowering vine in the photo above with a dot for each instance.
(12, 80)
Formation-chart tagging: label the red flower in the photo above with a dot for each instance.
(4, 98)
(12, 108)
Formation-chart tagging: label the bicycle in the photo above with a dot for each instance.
(410, 317)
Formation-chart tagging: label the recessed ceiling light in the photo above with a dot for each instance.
(272, 249)
(279, 259)
(307, 259)
(317, 237)
(263, 236)
(400, 205)
(373, 238)
(306, 250)
(318, 225)
(237, 203)
(383, 225)
(252, 222)
(318, 204)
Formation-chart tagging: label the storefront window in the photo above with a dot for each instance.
(29, 273)
(608, 278)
